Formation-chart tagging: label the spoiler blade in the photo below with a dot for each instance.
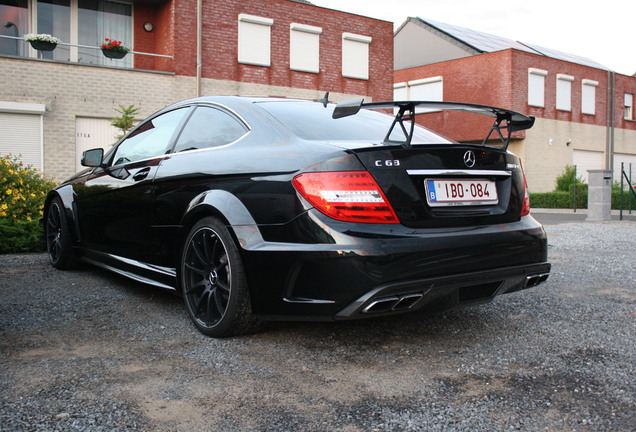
(509, 120)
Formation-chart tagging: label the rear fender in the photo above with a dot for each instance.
(230, 209)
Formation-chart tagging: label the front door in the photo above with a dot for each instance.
(114, 205)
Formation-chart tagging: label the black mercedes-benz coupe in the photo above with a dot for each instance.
(258, 209)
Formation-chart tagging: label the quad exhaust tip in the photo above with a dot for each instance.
(534, 280)
(395, 303)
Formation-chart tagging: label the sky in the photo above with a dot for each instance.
(600, 31)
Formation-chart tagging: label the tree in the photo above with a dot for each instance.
(126, 120)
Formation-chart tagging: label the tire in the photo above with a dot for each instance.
(213, 281)
(58, 237)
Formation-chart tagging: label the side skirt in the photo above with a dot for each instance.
(162, 277)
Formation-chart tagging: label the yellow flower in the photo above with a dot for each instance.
(9, 192)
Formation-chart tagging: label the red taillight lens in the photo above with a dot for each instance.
(351, 196)
(525, 208)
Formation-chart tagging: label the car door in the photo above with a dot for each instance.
(114, 204)
(203, 158)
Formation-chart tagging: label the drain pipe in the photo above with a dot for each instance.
(608, 120)
(612, 128)
(609, 136)
(199, 43)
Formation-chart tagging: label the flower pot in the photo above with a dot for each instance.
(42, 45)
(112, 54)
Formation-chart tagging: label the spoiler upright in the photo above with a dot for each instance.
(505, 119)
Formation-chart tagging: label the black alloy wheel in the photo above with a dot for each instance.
(213, 281)
(58, 237)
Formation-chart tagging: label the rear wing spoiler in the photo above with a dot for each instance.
(507, 120)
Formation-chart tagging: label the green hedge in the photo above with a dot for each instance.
(20, 236)
(560, 199)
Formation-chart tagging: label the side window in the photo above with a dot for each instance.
(151, 139)
(209, 127)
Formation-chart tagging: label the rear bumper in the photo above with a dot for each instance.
(448, 291)
(362, 274)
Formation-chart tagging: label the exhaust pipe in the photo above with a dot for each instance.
(534, 280)
(388, 304)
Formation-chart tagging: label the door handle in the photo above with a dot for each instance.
(141, 174)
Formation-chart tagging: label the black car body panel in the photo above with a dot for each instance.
(133, 217)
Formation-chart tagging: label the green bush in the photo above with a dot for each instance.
(565, 181)
(22, 197)
(560, 199)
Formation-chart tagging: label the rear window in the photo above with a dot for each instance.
(312, 121)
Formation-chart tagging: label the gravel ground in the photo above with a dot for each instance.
(90, 351)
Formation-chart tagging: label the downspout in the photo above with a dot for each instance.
(608, 122)
(609, 135)
(612, 128)
(199, 44)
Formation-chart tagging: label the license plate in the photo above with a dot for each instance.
(460, 192)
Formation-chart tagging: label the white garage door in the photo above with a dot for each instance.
(626, 159)
(92, 133)
(587, 160)
(21, 134)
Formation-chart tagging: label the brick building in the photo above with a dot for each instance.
(55, 104)
(584, 112)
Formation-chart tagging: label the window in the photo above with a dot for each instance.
(400, 92)
(54, 18)
(21, 131)
(355, 56)
(14, 22)
(209, 127)
(98, 19)
(78, 22)
(304, 48)
(588, 97)
(151, 139)
(564, 92)
(427, 89)
(311, 121)
(536, 87)
(629, 106)
(254, 40)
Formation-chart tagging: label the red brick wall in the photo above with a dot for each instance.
(484, 79)
(522, 61)
(220, 50)
(158, 41)
(501, 79)
(624, 84)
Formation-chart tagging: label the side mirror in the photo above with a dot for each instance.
(92, 157)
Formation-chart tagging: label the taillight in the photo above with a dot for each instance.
(525, 208)
(351, 196)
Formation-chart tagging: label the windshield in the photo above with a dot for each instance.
(312, 121)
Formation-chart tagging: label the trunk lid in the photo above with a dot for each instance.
(447, 185)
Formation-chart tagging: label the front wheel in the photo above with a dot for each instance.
(213, 281)
(58, 237)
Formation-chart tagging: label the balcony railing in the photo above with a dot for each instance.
(31, 50)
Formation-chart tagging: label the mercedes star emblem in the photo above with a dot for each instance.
(469, 159)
